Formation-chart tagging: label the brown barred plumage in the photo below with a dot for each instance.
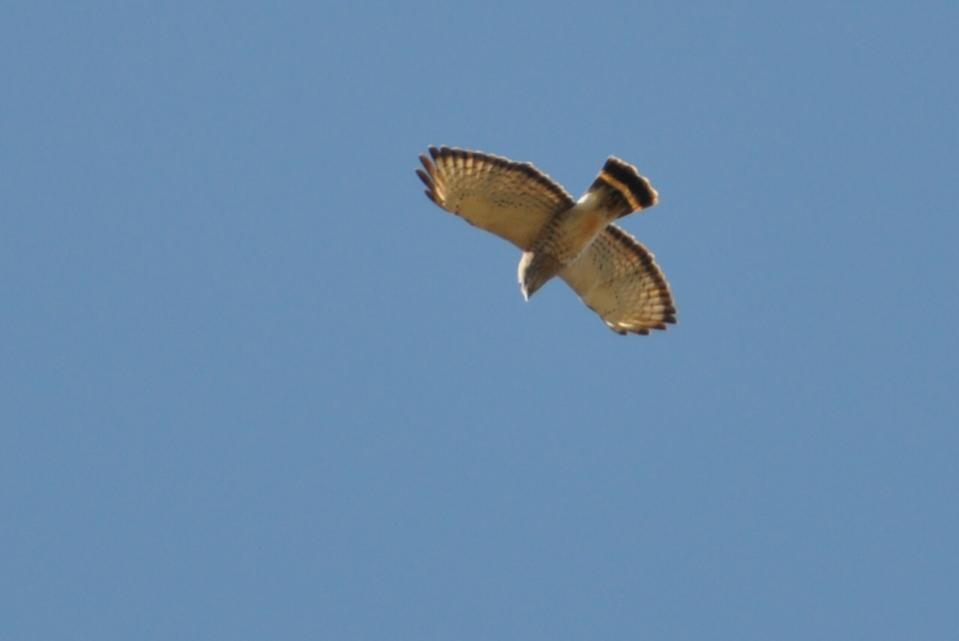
(612, 273)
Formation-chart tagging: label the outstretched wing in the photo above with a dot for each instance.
(510, 199)
(619, 279)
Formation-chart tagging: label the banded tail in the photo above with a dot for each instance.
(621, 190)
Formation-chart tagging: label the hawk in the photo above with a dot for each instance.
(611, 272)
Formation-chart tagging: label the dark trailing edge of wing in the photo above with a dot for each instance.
(666, 297)
(459, 156)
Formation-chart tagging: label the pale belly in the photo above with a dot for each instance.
(571, 234)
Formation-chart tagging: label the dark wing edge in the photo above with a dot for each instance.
(660, 313)
(466, 159)
(651, 269)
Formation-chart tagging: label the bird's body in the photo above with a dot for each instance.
(559, 243)
(612, 273)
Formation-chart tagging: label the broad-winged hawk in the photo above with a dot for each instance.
(613, 274)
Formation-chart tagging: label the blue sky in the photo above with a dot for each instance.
(255, 385)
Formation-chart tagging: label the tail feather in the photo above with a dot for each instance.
(621, 189)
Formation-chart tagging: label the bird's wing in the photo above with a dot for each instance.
(619, 279)
(510, 199)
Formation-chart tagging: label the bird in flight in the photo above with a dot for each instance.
(611, 272)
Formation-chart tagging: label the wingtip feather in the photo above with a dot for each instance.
(425, 177)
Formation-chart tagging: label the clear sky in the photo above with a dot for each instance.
(254, 385)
